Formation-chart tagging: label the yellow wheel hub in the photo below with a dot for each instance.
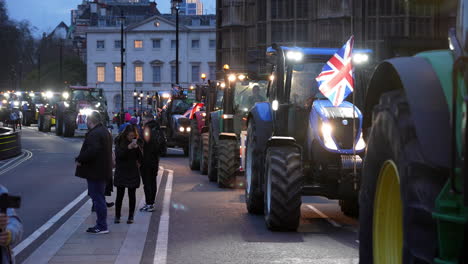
(388, 217)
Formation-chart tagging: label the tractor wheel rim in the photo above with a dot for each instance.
(388, 217)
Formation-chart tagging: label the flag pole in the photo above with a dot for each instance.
(354, 125)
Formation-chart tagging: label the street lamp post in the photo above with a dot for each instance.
(122, 66)
(135, 95)
(175, 9)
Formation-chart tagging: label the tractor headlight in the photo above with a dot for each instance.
(181, 129)
(360, 145)
(188, 129)
(49, 94)
(360, 58)
(4, 101)
(66, 104)
(295, 56)
(327, 130)
(274, 105)
(98, 104)
(86, 111)
(16, 103)
(65, 95)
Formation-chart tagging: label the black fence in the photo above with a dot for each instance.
(10, 143)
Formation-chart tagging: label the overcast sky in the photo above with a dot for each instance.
(45, 15)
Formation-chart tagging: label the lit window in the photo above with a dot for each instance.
(101, 73)
(212, 43)
(138, 44)
(138, 73)
(195, 43)
(118, 74)
(100, 44)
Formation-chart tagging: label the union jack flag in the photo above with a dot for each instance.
(336, 81)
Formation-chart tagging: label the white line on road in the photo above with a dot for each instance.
(23, 157)
(175, 149)
(134, 243)
(160, 254)
(28, 241)
(317, 211)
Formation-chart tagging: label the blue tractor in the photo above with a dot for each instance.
(298, 143)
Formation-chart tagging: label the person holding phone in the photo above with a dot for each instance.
(11, 231)
(128, 157)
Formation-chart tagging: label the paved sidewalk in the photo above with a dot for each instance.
(72, 244)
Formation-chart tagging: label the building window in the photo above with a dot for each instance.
(117, 44)
(138, 73)
(173, 74)
(100, 44)
(156, 73)
(156, 43)
(212, 43)
(195, 43)
(195, 73)
(212, 72)
(117, 74)
(101, 73)
(138, 44)
(173, 44)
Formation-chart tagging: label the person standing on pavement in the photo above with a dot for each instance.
(94, 163)
(128, 157)
(11, 231)
(150, 164)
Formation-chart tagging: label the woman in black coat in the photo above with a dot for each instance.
(128, 156)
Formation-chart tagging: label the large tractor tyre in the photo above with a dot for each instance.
(46, 123)
(69, 124)
(212, 159)
(283, 186)
(204, 144)
(59, 125)
(253, 172)
(194, 146)
(396, 190)
(40, 122)
(350, 207)
(228, 162)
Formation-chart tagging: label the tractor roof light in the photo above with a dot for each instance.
(275, 105)
(226, 67)
(232, 78)
(241, 77)
(66, 95)
(165, 95)
(18, 93)
(223, 85)
(295, 56)
(31, 94)
(203, 76)
(360, 58)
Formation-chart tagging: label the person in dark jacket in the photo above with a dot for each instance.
(128, 158)
(150, 164)
(94, 163)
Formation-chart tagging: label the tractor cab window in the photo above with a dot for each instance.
(85, 95)
(304, 87)
(179, 106)
(219, 100)
(248, 93)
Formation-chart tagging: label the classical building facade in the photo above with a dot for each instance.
(150, 56)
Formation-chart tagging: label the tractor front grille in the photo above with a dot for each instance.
(343, 132)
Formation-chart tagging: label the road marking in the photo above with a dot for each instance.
(55, 242)
(175, 149)
(134, 243)
(28, 241)
(318, 261)
(317, 211)
(160, 254)
(16, 162)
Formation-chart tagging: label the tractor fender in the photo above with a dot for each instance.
(427, 104)
(232, 136)
(200, 120)
(275, 141)
(261, 115)
(215, 117)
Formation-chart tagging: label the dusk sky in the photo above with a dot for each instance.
(46, 14)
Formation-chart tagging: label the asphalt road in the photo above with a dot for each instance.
(206, 224)
(45, 182)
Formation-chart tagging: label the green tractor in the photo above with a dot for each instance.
(227, 124)
(413, 200)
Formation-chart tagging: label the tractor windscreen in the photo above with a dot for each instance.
(85, 95)
(304, 87)
(248, 93)
(180, 106)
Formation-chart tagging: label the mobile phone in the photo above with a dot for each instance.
(134, 141)
(9, 201)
